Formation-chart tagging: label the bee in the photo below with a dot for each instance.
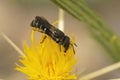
(42, 25)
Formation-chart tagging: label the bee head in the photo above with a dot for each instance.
(39, 22)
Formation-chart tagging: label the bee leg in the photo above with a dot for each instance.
(73, 48)
(75, 44)
(60, 43)
(66, 43)
(43, 39)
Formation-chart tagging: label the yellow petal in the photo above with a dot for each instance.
(45, 60)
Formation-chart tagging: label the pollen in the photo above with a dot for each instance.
(46, 60)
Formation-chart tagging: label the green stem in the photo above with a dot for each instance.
(99, 29)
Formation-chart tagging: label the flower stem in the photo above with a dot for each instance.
(101, 72)
(61, 20)
(12, 44)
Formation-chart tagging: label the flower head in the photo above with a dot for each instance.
(47, 60)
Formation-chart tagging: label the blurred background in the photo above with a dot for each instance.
(15, 19)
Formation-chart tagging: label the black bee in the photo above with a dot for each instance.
(42, 25)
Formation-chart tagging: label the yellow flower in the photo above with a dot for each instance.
(46, 61)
